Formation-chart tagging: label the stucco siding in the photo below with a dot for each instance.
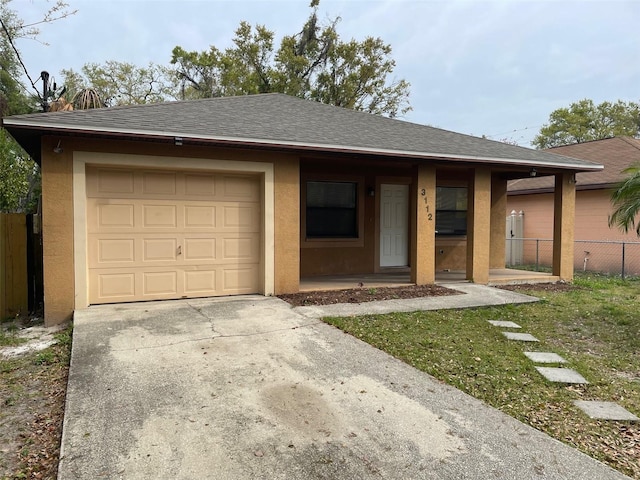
(57, 233)
(287, 225)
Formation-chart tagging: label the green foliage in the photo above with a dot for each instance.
(314, 64)
(19, 178)
(19, 175)
(626, 200)
(584, 121)
(118, 83)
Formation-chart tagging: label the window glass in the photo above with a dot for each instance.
(451, 210)
(332, 210)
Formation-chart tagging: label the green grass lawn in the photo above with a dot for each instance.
(595, 327)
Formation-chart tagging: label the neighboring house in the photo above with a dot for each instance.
(249, 194)
(535, 196)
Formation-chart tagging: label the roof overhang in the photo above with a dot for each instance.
(28, 133)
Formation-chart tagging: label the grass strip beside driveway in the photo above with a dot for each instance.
(595, 327)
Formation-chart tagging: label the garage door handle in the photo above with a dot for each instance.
(179, 249)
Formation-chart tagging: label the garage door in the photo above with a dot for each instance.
(156, 234)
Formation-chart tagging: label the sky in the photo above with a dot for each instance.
(481, 67)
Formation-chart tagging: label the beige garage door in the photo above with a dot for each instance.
(156, 234)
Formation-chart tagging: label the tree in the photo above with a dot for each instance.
(626, 200)
(19, 175)
(584, 121)
(118, 83)
(314, 64)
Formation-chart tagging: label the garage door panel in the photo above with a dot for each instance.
(158, 183)
(200, 282)
(239, 279)
(200, 185)
(118, 286)
(199, 216)
(240, 188)
(159, 216)
(115, 215)
(199, 249)
(171, 234)
(159, 249)
(115, 250)
(240, 217)
(240, 248)
(108, 182)
(160, 283)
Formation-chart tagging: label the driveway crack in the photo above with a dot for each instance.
(215, 333)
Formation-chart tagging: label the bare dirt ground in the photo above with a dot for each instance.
(33, 386)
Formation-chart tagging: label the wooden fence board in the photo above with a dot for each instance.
(13, 265)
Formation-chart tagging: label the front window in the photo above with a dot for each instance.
(332, 209)
(451, 210)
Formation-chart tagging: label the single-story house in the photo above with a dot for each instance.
(250, 194)
(534, 198)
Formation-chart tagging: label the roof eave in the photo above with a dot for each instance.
(49, 128)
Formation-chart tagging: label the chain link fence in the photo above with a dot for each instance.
(607, 257)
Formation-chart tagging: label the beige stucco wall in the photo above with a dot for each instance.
(287, 225)
(498, 224)
(57, 233)
(563, 226)
(451, 253)
(479, 226)
(423, 222)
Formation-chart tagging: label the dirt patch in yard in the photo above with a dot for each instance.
(361, 295)
(559, 287)
(33, 385)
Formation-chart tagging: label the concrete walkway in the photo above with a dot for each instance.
(248, 388)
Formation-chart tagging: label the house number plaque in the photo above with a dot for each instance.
(423, 193)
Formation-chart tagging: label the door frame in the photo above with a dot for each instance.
(387, 180)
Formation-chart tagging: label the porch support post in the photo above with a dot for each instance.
(564, 209)
(287, 225)
(423, 237)
(498, 222)
(479, 226)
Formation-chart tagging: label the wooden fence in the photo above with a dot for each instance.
(14, 286)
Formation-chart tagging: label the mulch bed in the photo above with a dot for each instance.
(365, 294)
(371, 294)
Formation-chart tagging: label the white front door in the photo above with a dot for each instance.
(394, 225)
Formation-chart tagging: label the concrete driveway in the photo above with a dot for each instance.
(247, 388)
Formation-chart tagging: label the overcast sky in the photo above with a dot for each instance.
(497, 68)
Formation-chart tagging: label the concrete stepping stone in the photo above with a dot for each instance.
(521, 337)
(504, 324)
(605, 410)
(544, 357)
(561, 375)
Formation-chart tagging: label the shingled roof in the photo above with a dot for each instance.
(615, 154)
(283, 122)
